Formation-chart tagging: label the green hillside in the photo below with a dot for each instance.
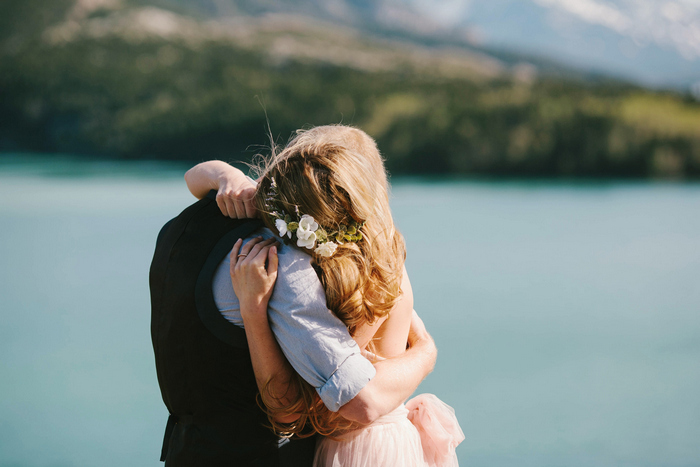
(128, 81)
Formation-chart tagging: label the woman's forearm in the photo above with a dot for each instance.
(253, 275)
(210, 175)
(235, 191)
(273, 373)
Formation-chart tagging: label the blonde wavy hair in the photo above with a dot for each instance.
(336, 174)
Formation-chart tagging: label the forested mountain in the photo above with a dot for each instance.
(189, 80)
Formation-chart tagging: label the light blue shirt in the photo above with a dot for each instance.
(316, 343)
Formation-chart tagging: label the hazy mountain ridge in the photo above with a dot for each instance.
(280, 37)
(665, 22)
(388, 25)
(655, 42)
(651, 41)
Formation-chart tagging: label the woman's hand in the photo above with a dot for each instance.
(235, 195)
(235, 192)
(253, 275)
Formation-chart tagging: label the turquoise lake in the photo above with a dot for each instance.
(566, 314)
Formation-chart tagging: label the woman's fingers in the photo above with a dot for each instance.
(255, 251)
(250, 211)
(234, 254)
(272, 261)
(252, 281)
(248, 196)
(221, 202)
(237, 205)
(236, 247)
(240, 207)
(268, 275)
(235, 193)
(252, 249)
(225, 203)
(266, 255)
(231, 208)
(245, 250)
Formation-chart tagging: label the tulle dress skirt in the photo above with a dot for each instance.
(422, 433)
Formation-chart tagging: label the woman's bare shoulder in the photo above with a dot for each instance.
(390, 339)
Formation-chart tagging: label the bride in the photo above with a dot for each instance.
(327, 193)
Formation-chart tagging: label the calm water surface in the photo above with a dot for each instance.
(567, 315)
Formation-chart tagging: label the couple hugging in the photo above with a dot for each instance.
(252, 366)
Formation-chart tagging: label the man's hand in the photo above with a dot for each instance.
(417, 333)
(396, 377)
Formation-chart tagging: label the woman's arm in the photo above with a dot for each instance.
(253, 282)
(235, 192)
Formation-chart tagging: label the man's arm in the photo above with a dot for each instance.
(396, 378)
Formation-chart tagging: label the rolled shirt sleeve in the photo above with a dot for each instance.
(316, 343)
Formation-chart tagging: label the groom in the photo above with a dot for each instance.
(202, 360)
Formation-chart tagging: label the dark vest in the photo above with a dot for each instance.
(202, 360)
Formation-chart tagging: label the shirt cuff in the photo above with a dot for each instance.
(347, 381)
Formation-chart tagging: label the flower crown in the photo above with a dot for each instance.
(305, 229)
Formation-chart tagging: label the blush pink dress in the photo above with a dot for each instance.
(422, 433)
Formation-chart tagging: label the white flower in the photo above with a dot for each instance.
(307, 224)
(282, 227)
(306, 236)
(305, 239)
(326, 249)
